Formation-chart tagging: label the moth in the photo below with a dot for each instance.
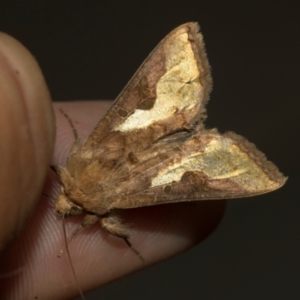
(152, 148)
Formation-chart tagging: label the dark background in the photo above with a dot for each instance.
(90, 49)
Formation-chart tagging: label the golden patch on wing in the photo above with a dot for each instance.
(176, 90)
(220, 159)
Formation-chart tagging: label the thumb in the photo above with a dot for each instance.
(26, 133)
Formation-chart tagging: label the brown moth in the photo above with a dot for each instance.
(151, 147)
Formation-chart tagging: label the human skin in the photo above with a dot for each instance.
(31, 233)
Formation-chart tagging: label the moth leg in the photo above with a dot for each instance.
(87, 222)
(113, 225)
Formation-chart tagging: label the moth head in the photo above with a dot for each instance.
(65, 207)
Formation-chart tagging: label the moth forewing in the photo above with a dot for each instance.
(167, 93)
(151, 146)
(204, 166)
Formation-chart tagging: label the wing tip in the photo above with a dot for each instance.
(269, 168)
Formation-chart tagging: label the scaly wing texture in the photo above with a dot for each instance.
(167, 93)
(204, 166)
(151, 146)
(186, 167)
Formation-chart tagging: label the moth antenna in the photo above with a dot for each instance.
(71, 123)
(69, 257)
(68, 240)
(135, 251)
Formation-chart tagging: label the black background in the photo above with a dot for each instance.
(90, 49)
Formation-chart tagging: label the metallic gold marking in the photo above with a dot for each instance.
(221, 159)
(177, 89)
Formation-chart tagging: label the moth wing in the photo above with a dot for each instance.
(166, 94)
(206, 166)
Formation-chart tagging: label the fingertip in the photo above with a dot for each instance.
(26, 132)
